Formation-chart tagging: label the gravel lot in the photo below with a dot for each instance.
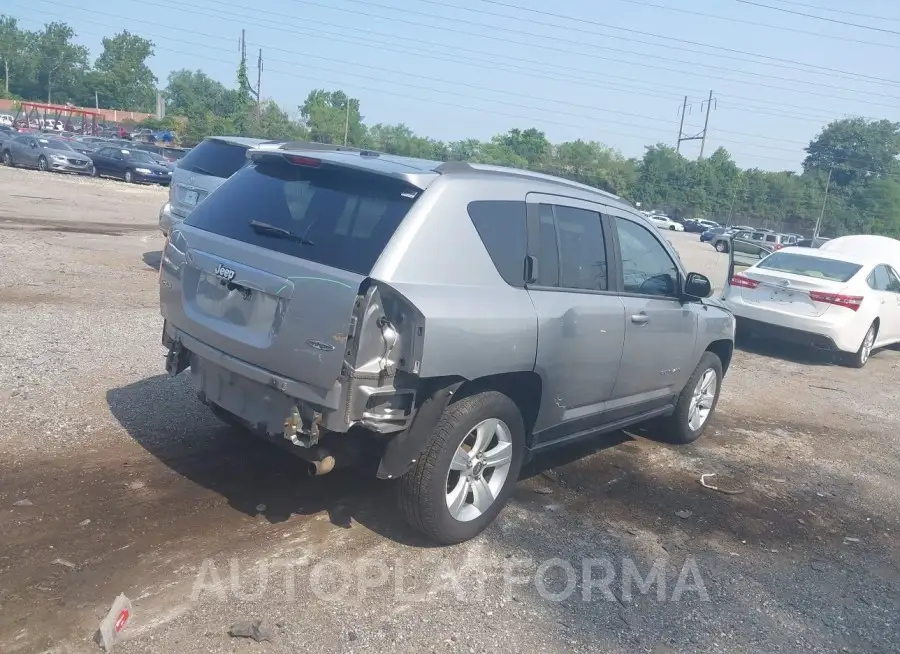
(132, 487)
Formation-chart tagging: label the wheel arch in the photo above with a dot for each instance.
(724, 349)
(437, 393)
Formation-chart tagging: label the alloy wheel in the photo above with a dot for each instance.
(479, 469)
(702, 399)
(868, 343)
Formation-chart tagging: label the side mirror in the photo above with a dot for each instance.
(697, 286)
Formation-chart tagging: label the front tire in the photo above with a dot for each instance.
(864, 353)
(467, 470)
(129, 178)
(42, 164)
(8, 160)
(696, 404)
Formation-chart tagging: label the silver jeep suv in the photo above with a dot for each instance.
(439, 322)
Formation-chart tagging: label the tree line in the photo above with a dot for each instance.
(856, 159)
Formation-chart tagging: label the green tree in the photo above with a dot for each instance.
(60, 63)
(14, 46)
(121, 75)
(275, 123)
(857, 149)
(400, 139)
(330, 115)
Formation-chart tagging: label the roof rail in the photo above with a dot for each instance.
(463, 166)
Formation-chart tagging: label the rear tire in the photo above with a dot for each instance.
(427, 492)
(864, 353)
(721, 246)
(688, 422)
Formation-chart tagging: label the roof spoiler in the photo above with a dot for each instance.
(327, 147)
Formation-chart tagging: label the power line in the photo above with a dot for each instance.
(822, 18)
(731, 19)
(677, 40)
(839, 11)
(382, 91)
(456, 58)
(181, 6)
(591, 108)
(405, 10)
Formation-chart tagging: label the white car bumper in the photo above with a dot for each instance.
(836, 329)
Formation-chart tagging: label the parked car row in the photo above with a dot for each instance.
(89, 155)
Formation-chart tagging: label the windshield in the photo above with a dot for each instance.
(337, 217)
(818, 267)
(55, 144)
(138, 155)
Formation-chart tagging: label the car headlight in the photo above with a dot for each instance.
(142, 171)
(58, 157)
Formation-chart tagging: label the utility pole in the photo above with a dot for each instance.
(697, 137)
(347, 121)
(259, 72)
(824, 200)
(96, 100)
(681, 126)
(706, 123)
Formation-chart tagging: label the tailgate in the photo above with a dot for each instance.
(277, 312)
(267, 269)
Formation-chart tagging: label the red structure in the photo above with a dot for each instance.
(34, 115)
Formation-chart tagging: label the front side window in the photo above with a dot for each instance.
(647, 269)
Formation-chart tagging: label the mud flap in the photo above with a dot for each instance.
(404, 449)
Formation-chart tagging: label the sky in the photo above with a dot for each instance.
(613, 71)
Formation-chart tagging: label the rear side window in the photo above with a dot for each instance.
(216, 158)
(817, 267)
(502, 228)
(572, 249)
(333, 216)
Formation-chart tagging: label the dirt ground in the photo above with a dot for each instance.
(131, 486)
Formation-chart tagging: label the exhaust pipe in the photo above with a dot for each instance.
(322, 466)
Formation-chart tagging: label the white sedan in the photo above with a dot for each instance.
(664, 222)
(836, 301)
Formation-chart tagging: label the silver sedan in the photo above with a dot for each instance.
(36, 151)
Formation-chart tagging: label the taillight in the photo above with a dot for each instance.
(847, 301)
(302, 161)
(743, 282)
(778, 246)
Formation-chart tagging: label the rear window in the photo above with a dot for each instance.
(214, 157)
(344, 217)
(798, 264)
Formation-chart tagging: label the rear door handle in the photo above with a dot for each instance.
(640, 319)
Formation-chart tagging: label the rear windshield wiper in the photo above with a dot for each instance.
(203, 171)
(278, 232)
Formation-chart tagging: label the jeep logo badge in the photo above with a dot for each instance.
(319, 345)
(224, 273)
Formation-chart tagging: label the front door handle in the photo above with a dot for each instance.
(640, 319)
